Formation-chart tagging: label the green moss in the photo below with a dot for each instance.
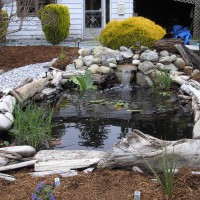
(131, 31)
(55, 21)
(3, 26)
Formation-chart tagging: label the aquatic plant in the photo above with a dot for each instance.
(133, 31)
(85, 82)
(32, 125)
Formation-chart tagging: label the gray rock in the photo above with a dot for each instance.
(164, 53)
(119, 58)
(137, 169)
(123, 48)
(141, 79)
(180, 63)
(126, 67)
(146, 67)
(136, 62)
(149, 56)
(94, 68)
(127, 54)
(49, 91)
(3, 161)
(88, 60)
(96, 60)
(169, 67)
(70, 67)
(112, 60)
(79, 63)
(104, 60)
(165, 60)
(195, 71)
(25, 150)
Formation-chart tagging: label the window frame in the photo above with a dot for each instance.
(36, 6)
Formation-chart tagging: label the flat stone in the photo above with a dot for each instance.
(149, 56)
(48, 91)
(170, 67)
(166, 60)
(127, 54)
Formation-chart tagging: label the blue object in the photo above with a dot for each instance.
(181, 32)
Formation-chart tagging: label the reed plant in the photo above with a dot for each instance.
(32, 125)
(168, 168)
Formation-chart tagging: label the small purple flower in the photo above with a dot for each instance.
(34, 197)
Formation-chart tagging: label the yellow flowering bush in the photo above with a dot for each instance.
(133, 31)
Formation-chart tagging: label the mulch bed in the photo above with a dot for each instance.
(100, 184)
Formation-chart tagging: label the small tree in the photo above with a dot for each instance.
(55, 21)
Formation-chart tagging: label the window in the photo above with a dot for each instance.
(31, 7)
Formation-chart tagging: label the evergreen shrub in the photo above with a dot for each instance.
(133, 31)
(3, 26)
(55, 21)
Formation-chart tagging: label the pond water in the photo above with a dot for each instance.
(96, 120)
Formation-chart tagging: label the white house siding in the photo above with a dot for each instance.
(32, 29)
(114, 9)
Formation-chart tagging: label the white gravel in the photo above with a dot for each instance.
(11, 78)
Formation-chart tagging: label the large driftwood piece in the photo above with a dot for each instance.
(136, 149)
(190, 58)
(65, 164)
(17, 166)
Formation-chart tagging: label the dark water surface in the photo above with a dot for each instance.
(98, 119)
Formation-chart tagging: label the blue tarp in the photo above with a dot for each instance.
(181, 32)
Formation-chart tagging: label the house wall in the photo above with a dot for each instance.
(32, 29)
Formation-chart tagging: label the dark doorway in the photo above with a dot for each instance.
(166, 13)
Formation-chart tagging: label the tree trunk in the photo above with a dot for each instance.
(138, 149)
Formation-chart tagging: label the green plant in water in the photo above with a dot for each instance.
(85, 82)
(162, 82)
(32, 125)
(168, 167)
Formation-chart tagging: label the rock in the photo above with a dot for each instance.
(165, 60)
(70, 67)
(164, 53)
(84, 52)
(196, 76)
(88, 60)
(3, 161)
(7, 103)
(136, 62)
(196, 130)
(105, 70)
(99, 51)
(96, 61)
(137, 169)
(173, 58)
(126, 67)
(104, 60)
(127, 54)
(79, 63)
(146, 67)
(25, 150)
(112, 60)
(112, 65)
(123, 48)
(195, 71)
(149, 56)
(141, 79)
(136, 56)
(1, 71)
(179, 63)
(169, 67)
(119, 58)
(49, 91)
(94, 68)
(188, 70)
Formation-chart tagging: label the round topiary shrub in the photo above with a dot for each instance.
(55, 21)
(3, 26)
(133, 31)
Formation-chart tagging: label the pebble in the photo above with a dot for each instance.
(11, 78)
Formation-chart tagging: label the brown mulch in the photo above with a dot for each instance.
(100, 184)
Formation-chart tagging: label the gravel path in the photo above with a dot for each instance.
(11, 78)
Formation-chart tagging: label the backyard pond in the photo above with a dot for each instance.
(96, 120)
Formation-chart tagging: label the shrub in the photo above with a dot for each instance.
(3, 26)
(55, 21)
(131, 31)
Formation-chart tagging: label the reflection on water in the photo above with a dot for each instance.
(93, 121)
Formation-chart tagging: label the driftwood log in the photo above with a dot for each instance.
(136, 149)
(190, 57)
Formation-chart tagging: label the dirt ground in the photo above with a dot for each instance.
(100, 184)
